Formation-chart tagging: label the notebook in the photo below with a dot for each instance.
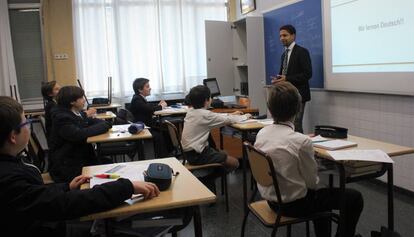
(335, 144)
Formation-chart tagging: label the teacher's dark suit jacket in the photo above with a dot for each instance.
(142, 110)
(299, 70)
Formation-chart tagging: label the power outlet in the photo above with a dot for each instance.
(60, 56)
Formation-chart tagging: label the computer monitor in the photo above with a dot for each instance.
(212, 84)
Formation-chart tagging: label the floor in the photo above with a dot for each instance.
(217, 222)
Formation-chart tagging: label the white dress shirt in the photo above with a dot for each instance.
(197, 126)
(293, 158)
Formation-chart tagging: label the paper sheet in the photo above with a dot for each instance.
(361, 155)
(335, 144)
(319, 138)
(131, 172)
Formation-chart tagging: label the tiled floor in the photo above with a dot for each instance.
(216, 222)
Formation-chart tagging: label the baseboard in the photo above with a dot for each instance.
(396, 188)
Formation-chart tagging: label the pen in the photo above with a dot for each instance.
(107, 176)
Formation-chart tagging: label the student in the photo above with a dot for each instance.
(69, 151)
(31, 208)
(293, 156)
(140, 108)
(197, 125)
(144, 111)
(49, 92)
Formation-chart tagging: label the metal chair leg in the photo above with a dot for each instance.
(288, 230)
(226, 192)
(244, 223)
(307, 229)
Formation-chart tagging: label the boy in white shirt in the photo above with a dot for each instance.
(197, 125)
(293, 158)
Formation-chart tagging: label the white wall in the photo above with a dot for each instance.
(386, 118)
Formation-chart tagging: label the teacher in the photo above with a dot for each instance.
(296, 68)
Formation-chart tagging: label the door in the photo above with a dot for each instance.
(219, 47)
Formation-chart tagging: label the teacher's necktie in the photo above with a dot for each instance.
(285, 62)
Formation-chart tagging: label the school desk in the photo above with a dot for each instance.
(185, 191)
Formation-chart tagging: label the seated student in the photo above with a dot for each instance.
(69, 151)
(49, 92)
(144, 111)
(293, 156)
(197, 125)
(28, 205)
(140, 108)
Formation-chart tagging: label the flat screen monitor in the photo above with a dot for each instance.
(212, 84)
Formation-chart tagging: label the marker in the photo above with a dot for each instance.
(107, 176)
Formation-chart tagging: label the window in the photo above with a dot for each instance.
(162, 40)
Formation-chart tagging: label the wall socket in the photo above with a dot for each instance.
(60, 56)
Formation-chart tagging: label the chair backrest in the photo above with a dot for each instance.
(124, 116)
(262, 168)
(175, 137)
(36, 153)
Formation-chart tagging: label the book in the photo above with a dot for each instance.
(335, 144)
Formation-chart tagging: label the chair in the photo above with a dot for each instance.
(120, 148)
(37, 153)
(264, 174)
(200, 171)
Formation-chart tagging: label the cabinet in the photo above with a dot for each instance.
(235, 56)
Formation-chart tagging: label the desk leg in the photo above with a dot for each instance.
(342, 213)
(244, 167)
(221, 138)
(198, 228)
(109, 232)
(390, 185)
(140, 150)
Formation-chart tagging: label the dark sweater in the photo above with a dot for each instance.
(69, 151)
(28, 205)
(142, 110)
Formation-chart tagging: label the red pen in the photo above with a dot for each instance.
(107, 176)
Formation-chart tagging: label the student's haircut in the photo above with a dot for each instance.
(139, 84)
(284, 101)
(47, 89)
(198, 96)
(289, 28)
(10, 117)
(69, 94)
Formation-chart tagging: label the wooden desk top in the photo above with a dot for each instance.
(245, 110)
(186, 190)
(363, 143)
(111, 106)
(106, 115)
(367, 144)
(184, 110)
(171, 111)
(247, 126)
(34, 113)
(119, 136)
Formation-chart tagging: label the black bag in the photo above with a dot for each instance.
(159, 174)
(100, 101)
